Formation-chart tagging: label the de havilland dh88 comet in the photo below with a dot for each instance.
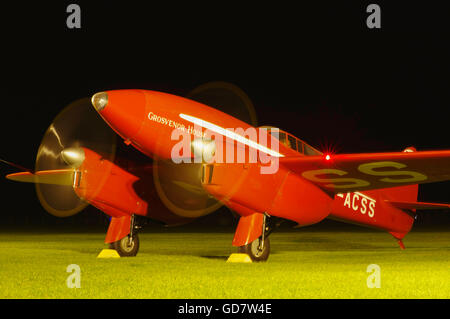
(202, 158)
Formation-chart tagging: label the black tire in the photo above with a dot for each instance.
(253, 251)
(125, 250)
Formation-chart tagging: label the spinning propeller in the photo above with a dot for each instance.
(179, 185)
(61, 153)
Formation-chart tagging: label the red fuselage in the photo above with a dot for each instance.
(148, 119)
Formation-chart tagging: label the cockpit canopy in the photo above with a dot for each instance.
(294, 143)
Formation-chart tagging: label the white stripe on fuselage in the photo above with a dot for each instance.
(229, 134)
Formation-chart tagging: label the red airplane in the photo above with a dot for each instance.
(287, 179)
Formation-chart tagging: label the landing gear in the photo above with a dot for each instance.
(128, 246)
(259, 249)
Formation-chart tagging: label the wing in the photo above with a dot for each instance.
(354, 172)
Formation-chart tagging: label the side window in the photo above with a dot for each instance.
(292, 142)
(281, 136)
(299, 146)
(310, 151)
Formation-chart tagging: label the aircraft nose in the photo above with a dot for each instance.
(99, 100)
(73, 156)
(123, 110)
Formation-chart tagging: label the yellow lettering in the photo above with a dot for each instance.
(355, 207)
(369, 168)
(371, 209)
(363, 205)
(351, 182)
(347, 200)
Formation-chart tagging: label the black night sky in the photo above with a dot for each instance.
(315, 71)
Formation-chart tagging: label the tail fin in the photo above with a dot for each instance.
(405, 197)
(403, 194)
(410, 207)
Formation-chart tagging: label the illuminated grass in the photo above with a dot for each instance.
(192, 265)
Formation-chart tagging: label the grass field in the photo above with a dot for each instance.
(170, 264)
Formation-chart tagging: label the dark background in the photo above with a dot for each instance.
(315, 71)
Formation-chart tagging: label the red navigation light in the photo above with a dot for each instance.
(327, 157)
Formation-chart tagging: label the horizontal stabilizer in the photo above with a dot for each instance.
(418, 205)
(55, 177)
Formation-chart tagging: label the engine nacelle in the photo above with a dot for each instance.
(282, 194)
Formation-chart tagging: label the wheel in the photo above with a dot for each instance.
(254, 252)
(124, 248)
